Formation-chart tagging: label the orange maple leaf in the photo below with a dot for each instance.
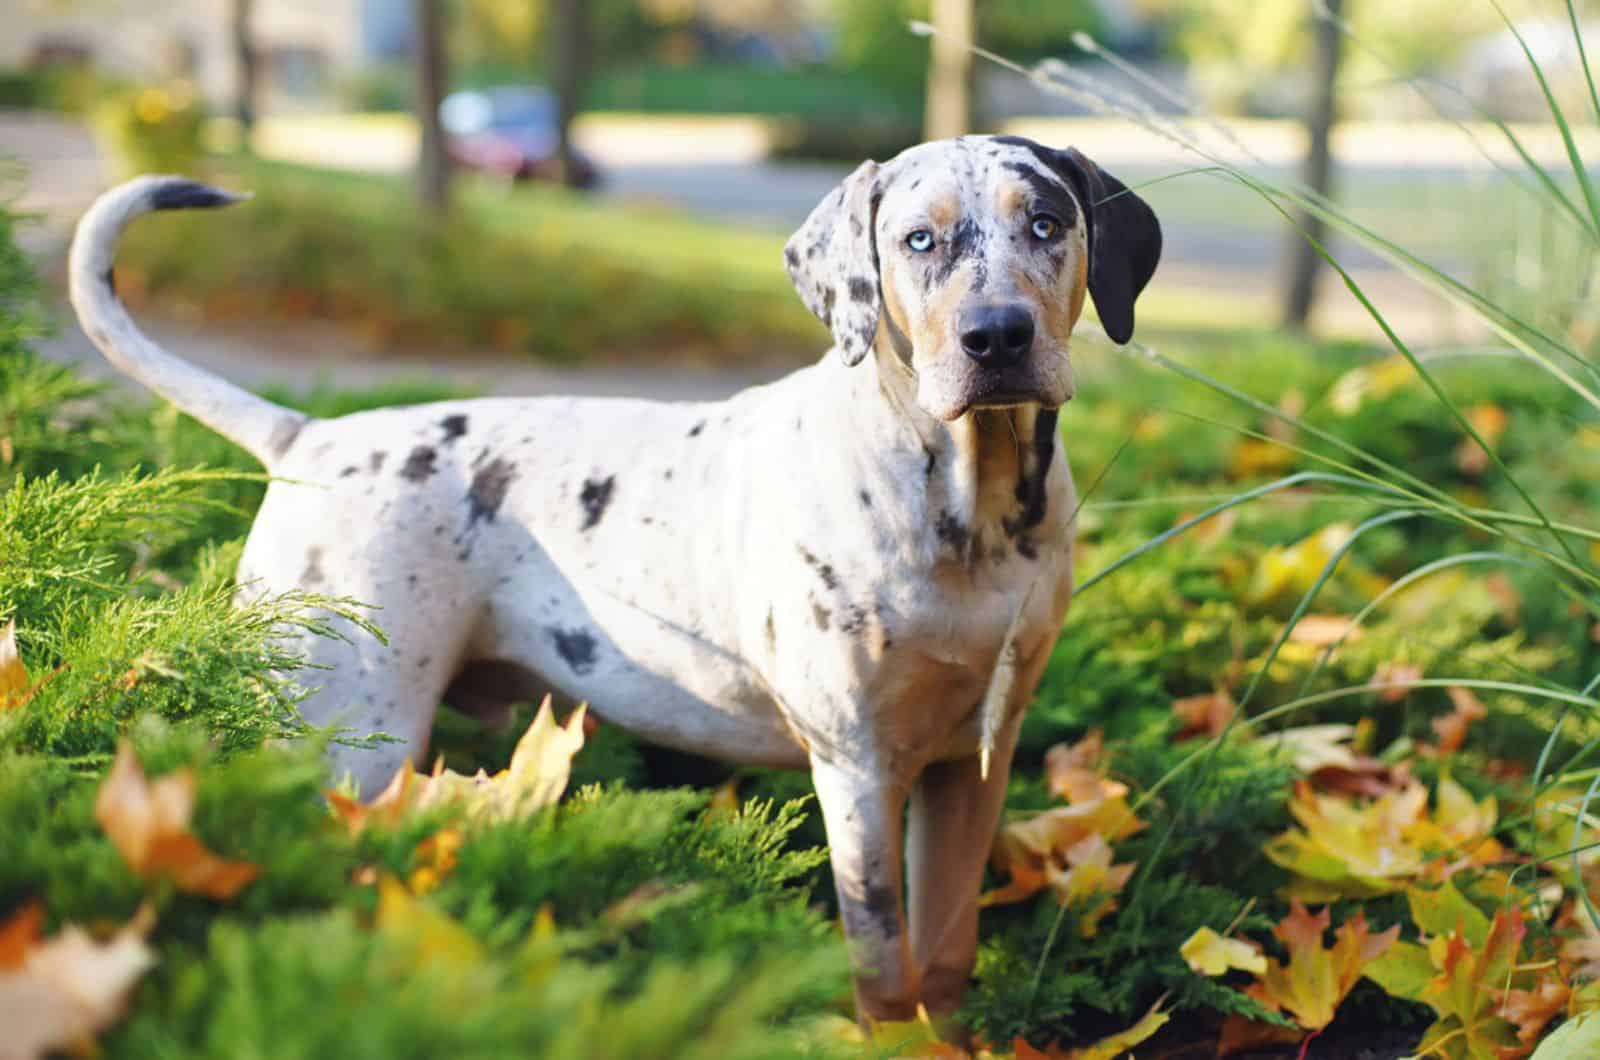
(148, 823)
(1315, 980)
(1203, 715)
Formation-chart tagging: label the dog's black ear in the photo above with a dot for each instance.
(1124, 241)
(833, 261)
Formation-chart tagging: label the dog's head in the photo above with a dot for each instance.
(973, 256)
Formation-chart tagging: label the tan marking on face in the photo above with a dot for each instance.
(1080, 287)
(933, 329)
(1055, 312)
(944, 212)
(1013, 199)
(893, 308)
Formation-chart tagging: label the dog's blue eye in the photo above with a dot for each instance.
(1045, 227)
(920, 241)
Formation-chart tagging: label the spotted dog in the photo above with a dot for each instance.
(859, 569)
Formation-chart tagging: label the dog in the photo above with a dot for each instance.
(860, 569)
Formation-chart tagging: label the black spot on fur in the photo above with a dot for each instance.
(488, 490)
(420, 464)
(313, 574)
(950, 531)
(821, 614)
(189, 195)
(824, 571)
(866, 498)
(284, 434)
(1031, 491)
(453, 427)
(882, 906)
(965, 241)
(829, 298)
(595, 497)
(933, 462)
(854, 620)
(694, 432)
(576, 648)
(375, 461)
(791, 258)
(862, 289)
(109, 278)
(1049, 193)
(351, 470)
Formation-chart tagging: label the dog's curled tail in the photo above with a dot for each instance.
(265, 429)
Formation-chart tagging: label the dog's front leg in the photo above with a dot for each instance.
(954, 813)
(862, 806)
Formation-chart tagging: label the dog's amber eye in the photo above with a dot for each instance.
(1044, 226)
(920, 241)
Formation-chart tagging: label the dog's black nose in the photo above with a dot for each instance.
(997, 336)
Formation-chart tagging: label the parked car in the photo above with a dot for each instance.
(509, 132)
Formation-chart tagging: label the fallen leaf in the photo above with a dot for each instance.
(148, 823)
(535, 778)
(13, 675)
(1089, 873)
(436, 859)
(1315, 980)
(1203, 715)
(1400, 675)
(1209, 953)
(1530, 1010)
(1321, 631)
(434, 938)
(1034, 851)
(1344, 849)
(1451, 728)
(1073, 771)
(58, 993)
(1116, 1045)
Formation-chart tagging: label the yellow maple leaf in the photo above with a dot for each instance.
(148, 823)
(1209, 953)
(540, 766)
(1119, 1044)
(55, 995)
(1034, 851)
(13, 675)
(1315, 980)
(434, 938)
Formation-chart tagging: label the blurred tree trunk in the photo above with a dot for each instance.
(246, 70)
(949, 106)
(433, 166)
(569, 69)
(1304, 263)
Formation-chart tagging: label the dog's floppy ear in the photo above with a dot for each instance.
(1124, 241)
(833, 261)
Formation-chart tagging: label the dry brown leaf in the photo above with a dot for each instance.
(1203, 715)
(1466, 708)
(1073, 770)
(148, 823)
(57, 994)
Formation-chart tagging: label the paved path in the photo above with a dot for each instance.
(1209, 258)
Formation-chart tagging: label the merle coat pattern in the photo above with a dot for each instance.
(825, 572)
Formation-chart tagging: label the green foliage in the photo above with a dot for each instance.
(352, 248)
(155, 129)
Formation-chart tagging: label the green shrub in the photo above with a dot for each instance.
(155, 129)
(540, 270)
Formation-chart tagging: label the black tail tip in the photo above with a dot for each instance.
(190, 195)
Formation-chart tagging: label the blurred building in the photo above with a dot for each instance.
(307, 47)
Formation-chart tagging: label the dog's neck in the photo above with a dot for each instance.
(985, 470)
